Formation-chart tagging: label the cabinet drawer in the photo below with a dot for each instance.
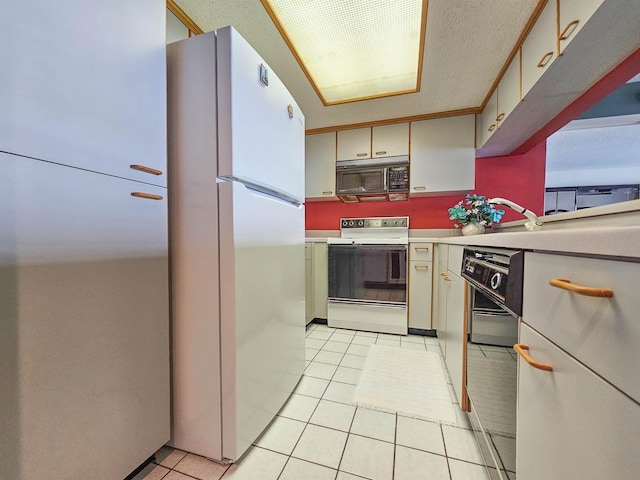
(572, 424)
(602, 333)
(421, 251)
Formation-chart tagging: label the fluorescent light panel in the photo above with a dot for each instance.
(354, 49)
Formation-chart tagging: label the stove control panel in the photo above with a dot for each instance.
(380, 222)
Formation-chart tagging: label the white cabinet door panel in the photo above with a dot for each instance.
(602, 333)
(84, 349)
(390, 140)
(443, 155)
(571, 423)
(573, 15)
(509, 90)
(354, 144)
(539, 49)
(320, 165)
(84, 84)
(420, 283)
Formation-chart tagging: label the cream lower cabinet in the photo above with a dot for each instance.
(571, 422)
(320, 279)
(451, 313)
(308, 282)
(420, 285)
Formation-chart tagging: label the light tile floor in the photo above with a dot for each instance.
(321, 435)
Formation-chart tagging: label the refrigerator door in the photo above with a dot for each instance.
(262, 310)
(260, 126)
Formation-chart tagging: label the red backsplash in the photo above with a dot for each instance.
(518, 178)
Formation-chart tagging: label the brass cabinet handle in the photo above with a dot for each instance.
(545, 59)
(521, 349)
(420, 188)
(500, 117)
(421, 267)
(565, 284)
(492, 127)
(445, 276)
(328, 192)
(149, 196)
(421, 249)
(361, 154)
(144, 169)
(568, 31)
(384, 152)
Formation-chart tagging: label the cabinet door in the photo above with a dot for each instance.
(602, 333)
(420, 282)
(390, 140)
(539, 49)
(84, 84)
(509, 90)
(354, 144)
(456, 318)
(573, 15)
(442, 282)
(443, 155)
(489, 117)
(308, 280)
(84, 347)
(320, 279)
(571, 423)
(320, 165)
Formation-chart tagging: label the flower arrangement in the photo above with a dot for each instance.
(474, 209)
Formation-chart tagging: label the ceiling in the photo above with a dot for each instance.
(467, 43)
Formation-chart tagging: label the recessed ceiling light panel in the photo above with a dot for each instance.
(354, 49)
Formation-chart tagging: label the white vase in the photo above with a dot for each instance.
(472, 229)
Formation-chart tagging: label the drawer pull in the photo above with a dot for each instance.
(383, 152)
(521, 348)
(445, 276)
(568, 31)
(420, 188)
(149, 196)
(545, 59)
(421, 249)
(327, 193)
(421, 267)
(362, 154)
(144, 169)
(565, 284)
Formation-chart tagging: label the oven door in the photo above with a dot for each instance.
(368, 274)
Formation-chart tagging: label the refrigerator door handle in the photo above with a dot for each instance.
(266, 191)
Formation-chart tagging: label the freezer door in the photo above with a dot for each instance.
(260, 126)
(262, 292)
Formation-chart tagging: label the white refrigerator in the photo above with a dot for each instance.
(236, 187)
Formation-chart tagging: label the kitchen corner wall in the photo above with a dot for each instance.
(519, 178)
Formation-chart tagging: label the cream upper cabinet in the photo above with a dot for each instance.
(573, 15)
(442, 155)
(320, 165)
(94, 100)
(509, 90)
(354, 144)
(539, 49)
(489, 117)
(377, 142)
(390, 140)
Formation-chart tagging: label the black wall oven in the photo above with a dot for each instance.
(495, 278)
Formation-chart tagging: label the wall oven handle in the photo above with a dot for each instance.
(522, 349)
(565, 284)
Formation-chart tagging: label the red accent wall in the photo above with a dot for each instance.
(518, 177)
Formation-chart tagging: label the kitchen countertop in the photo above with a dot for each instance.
(601, 241)
(610, 241)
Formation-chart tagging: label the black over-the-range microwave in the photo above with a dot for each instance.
(373, 179)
